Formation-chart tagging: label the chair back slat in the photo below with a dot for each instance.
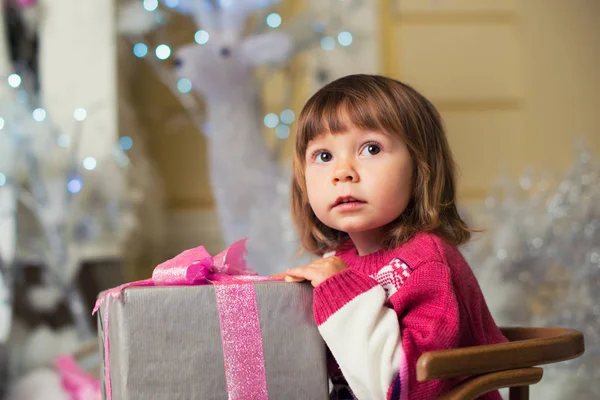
(528, 347)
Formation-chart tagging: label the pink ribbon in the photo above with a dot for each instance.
(77, 383)
(236, 301)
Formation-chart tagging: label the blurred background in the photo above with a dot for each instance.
(133, 130)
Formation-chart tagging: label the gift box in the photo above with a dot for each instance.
(245, 340)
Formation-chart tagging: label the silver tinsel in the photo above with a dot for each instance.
(60, 203)
(539, 264)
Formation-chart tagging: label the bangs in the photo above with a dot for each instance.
(338, 109)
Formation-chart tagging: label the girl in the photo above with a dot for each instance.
(374, 192)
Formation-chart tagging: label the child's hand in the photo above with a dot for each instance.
(316, 272)
(283, 275)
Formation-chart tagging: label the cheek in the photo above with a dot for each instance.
(395, 189)
(312, 189)
(316, 198)
(405, 187)
(317, 195)
(314, 180)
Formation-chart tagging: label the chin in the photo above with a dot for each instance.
(356, 227)
(361, 226)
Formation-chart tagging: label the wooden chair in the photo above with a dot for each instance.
(514, 364)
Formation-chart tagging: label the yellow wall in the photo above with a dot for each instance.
(516, 81)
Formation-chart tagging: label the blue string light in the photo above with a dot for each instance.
(89, 163)
(271, 120)
(125, 143)
(150, 5)
(328, 43)
(74, 185)
(345, 38)
(80, 114)
(140, 50)
(39, 114)
(163, 52)
(282, 131)
(201, 37)
(287, 116)
(274, 20)
(184, 85)
(14, 80)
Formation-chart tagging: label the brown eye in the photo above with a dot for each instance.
(324, 157)
(371, 150)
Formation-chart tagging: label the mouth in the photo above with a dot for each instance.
(347, 202)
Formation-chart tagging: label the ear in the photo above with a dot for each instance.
(267, 48)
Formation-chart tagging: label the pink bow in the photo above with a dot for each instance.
(193, 267)
(77, 383)
(242, 343)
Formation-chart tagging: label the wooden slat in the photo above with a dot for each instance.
(480, 385)
(528, 347)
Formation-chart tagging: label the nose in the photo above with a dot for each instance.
(344, 172)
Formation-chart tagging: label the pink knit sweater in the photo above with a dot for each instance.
(378, 317)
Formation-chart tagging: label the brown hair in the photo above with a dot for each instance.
(371, 102)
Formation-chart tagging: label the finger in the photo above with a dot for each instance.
(301, 272)
(292, 279)
(279, 275)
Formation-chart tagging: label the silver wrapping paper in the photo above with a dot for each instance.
(166, 343)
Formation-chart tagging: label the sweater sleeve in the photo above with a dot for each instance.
(377, 329)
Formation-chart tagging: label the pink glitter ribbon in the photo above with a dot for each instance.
(244, 360)
(77, 383)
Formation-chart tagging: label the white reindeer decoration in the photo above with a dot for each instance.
(250, 188)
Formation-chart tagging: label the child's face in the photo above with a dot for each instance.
(371, 169)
